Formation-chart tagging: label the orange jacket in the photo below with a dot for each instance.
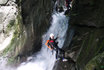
(50, 47)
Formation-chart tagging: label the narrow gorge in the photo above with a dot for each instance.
(25, 26)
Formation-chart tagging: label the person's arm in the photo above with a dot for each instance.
(56, 38)
(50, 45)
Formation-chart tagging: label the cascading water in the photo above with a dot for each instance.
(44, 59)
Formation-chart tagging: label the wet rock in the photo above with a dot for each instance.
(3, 1)
(11, 28)
(6, 16)
(60, 65)
(88, 13)
(88, 46)
(87, 18)
(61, 9)
(36, 18)
(97, 63)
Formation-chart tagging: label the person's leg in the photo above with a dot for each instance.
(56, 53)
(63, 55)
(60, 53)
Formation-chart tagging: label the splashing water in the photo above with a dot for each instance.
(44, 59)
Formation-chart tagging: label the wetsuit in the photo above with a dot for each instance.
(54, 46)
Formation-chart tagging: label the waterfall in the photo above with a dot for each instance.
(44, 59)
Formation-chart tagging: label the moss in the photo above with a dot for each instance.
(91, 43)
(11, 45)
(18, 2)
(11, 23)
(12, 26)
(97, 62)
(17, 41)
(80, 55)
(9, 26)
(11, 60)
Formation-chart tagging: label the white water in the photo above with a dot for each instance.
(44, 60)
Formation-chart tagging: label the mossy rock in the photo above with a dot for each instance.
(90, 42)
(11, 23)
(17, 42)
(96, 63)
(90, 13)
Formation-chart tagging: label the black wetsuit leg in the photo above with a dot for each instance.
(56, 53)
(56, 49)
(61, 53)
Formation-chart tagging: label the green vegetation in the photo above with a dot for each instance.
(96, 63)
(18, 40)
(11, 23)
(10, 26)
(91, 43)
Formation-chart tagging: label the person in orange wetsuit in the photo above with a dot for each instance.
(53, 45)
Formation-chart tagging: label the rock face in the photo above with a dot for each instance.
(7, 17)
(87, 17)
(22, 24)
(3, 1)
(12, 38)
(90, 13)
(36, 18)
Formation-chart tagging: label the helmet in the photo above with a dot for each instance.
(51, 34)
